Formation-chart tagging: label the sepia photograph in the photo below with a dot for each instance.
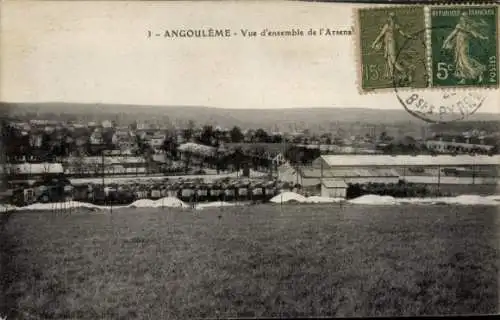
(249, 159)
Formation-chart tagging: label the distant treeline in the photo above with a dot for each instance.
(463, 126)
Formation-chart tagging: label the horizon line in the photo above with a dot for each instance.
(214, 107)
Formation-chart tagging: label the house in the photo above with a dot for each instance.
(159, 158)
(23, 126)
(107, 124)
(156, 140)
(96, 138)
(81, 141)
(143, 126)
(49, 129)
(156, 143)
(279, 159)
(180, 138)
(333, 188)
(123, 139)
(79, 126)
(197, 150)
(39, 122)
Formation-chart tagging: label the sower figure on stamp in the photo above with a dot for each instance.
(388, 34)
(466, 67)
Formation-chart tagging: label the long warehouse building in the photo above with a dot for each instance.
(390, 169)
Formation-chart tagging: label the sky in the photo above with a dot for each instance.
(98, 52)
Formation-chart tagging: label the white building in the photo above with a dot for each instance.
(157, 142)
(96, 138)
(401, 161)
(447, 146)
(384, 169)
(333, 188)
(107, 124)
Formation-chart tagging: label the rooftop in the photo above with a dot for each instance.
(406, 160)
(334, 183)
(343, 173)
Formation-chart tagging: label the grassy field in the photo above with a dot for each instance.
(272, 261)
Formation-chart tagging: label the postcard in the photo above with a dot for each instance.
(235, 159)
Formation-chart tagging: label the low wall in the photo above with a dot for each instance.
(469, 189)
(452, 180)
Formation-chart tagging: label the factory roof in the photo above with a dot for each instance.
(405, 160)
(310, 172)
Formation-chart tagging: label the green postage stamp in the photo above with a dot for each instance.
(428, 46)
(392, 51)
(464, 46)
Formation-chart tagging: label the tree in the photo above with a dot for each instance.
(238, 158)
(133, 126)
(187, 134)
(170, 147)
(191, 124)
(494, 150)
(236, 135)
(301, 155)
(107, 136)
(261, 136)
(338, 141)
(8, 139)
(46, 141)
(57, 151)
(142, 146)
(405, 145)
(294, 154)
(217, 136)
(276, 138)
(148, 156)
(187, 160)
(258, 157)
(14, 143)
(24, 145)
(383, 136)
(207, 135)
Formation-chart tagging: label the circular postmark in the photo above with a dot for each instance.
(431, 104)
(441, 107)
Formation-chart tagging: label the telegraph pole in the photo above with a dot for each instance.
(473, 174)
(321, 177)
(439, 180)
(102, 164)
(103, 185)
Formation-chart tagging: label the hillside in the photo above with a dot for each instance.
(247, 118)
